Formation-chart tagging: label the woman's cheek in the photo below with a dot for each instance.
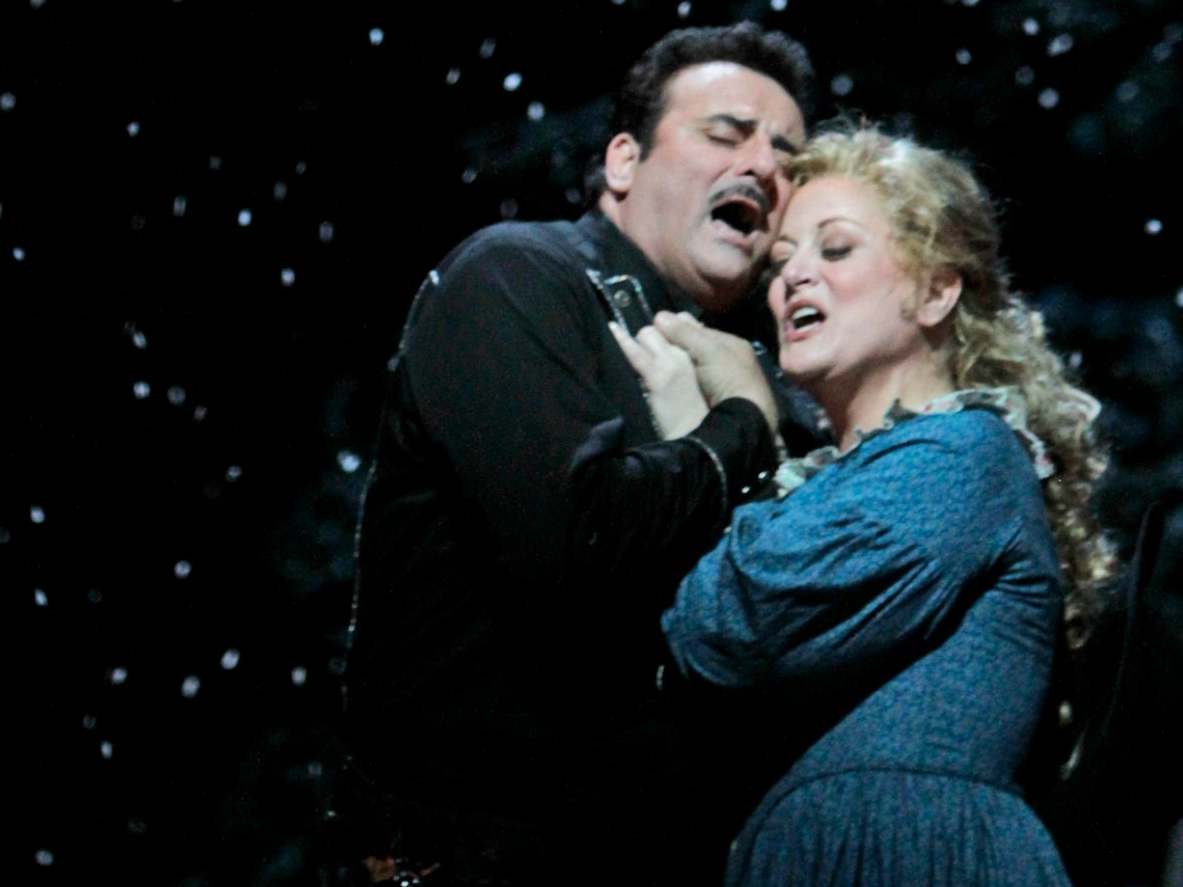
(776, 296)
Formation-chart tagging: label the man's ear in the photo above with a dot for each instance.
(620, 162)
(944, 290)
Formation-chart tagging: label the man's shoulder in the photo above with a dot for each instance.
(553, 242)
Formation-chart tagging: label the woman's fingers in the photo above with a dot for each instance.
(639, 356)
(653, 340)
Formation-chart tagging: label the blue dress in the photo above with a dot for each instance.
(912, 583)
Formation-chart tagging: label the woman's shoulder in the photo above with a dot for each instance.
(977, 426)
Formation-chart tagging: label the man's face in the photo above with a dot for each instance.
(706, 202)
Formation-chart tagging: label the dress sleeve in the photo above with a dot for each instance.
(507, 368)
(881, 552)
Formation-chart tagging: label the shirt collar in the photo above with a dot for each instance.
(1005, 401)
(621, 256)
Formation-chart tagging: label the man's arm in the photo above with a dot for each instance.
(514, 375)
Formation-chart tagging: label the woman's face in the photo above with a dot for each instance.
(843, 300)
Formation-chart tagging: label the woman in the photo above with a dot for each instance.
(907, 582)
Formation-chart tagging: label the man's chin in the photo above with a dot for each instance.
(723, 291)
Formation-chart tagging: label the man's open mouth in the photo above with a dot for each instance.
(742, 207)
(740, 215)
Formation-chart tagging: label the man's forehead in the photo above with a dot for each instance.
(719, 88)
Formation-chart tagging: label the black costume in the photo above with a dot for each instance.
(524, 527)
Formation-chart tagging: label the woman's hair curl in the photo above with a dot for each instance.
(942, 220)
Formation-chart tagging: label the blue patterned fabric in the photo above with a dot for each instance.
(914, 583)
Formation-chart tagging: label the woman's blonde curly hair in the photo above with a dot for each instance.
(943, 219)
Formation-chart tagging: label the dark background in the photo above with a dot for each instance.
(190, 395)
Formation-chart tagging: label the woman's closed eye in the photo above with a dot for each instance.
(836, 253)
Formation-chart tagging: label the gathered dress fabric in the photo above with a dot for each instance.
(902, 605)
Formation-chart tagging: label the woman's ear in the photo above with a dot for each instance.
(620, 163)
(944, 290)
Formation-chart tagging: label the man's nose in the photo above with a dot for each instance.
(759, 161)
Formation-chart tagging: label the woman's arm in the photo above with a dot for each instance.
(884, 552)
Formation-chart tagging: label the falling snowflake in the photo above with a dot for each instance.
(512, 81)
(244, 217)
(230, 660)
(40, 598)
(1060, 44)
(842, 84)
(37, 514)
(1153, 226)
(1049, 98)
(377, 35)
(190, 686)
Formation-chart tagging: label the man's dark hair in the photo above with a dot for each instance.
(641, 100)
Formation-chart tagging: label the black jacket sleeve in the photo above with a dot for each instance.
(514, 375)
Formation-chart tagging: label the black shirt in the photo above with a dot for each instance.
(523, 528)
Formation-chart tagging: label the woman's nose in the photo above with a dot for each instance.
(798, 272)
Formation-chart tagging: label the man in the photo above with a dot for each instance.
(524, 524)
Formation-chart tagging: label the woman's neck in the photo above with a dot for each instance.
(861, 405)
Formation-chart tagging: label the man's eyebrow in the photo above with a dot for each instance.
(781, 143)
(747, 126)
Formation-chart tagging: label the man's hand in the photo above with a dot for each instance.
(667, 375)
(725, 365)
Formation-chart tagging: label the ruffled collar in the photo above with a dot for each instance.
(1006, 402)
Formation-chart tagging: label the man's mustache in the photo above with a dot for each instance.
(742, 189)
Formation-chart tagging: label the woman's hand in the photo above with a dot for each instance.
(667, 375)
(724, 365)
